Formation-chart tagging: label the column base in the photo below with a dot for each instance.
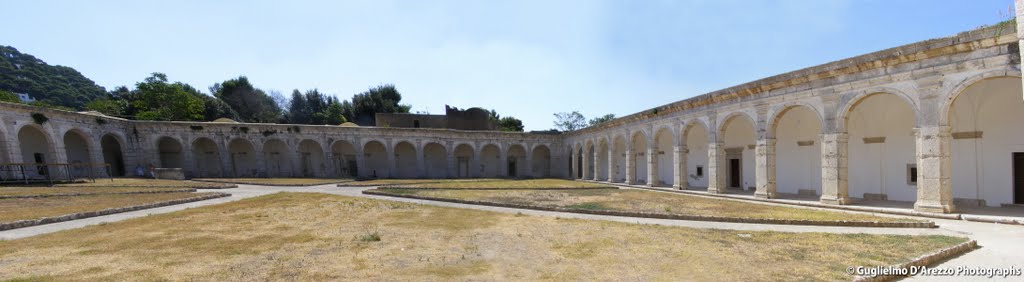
(934, 207)
(716, 190)
(761, 195)
(679, 187)
(835, 200)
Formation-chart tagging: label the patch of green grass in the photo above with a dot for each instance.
(370, 237)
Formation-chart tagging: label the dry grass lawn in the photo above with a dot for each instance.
(34, 191)
(34, 208)
(644, 201)
(145, 182)
(307, 236)
(482, 183)
(277, 181)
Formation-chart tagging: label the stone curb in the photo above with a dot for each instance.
(67, 217)
(671, 216)
(786, 202)
(266, 184)
(159, 186)
(184, 190)
(924, 260)
(399, 187)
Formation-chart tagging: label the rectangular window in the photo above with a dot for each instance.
(911, 174)
(416, 123)
(700, 170)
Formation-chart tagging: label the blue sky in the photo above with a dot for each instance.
(527, 59)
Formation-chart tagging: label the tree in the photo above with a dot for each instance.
(159, 100)
(314, 107)
(570, 121)
(600, 119)
(380, 99)
(51, 85)
(252, 104)
(7, 96)
(506, 123)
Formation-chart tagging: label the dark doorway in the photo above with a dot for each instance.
(512, 168)
(353, 169)
(734, 173)
(40, 169)
(1018, 178)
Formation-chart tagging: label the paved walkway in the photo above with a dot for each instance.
(1001, 245)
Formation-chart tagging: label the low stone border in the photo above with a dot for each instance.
(67, 217)
(400, 187)
(670, 216)
(183, 190)
(267, 184)
(218, 186)
(924, 260)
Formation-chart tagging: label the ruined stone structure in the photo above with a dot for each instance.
(453, 118)
(937, 123)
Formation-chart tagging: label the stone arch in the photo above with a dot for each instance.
(311, 158)
(961, 86)
(343, 153)
(861, 96)
(738, 136)
(277, 158)
(206, 156)
(618, 148)
(113, 153)
(405, 160)
(170, 152)
(490, 160)
(376, 159)
(697, 135)
(516, 159)
(664, 144)
(243, 158)
(435, 160)
(36, 147)
(77, 152)
(881, 147)
(984, 121)
(781, 110)
(541, 165)
(639, 140)
(797, 149)
(464, 153)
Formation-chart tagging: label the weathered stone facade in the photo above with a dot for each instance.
(935, 123)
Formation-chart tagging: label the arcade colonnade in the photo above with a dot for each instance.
(960, 146)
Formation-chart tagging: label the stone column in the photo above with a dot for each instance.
(503, 164)
(934, 168)
(630, 164)
(834, 189)
(765, 168)
(261, 160)
(361, 170)
(587, 158)
(679, 178)
(392, 165)
(528, 172)
(595, 168)
(452, 170)
(96, 157)
(421, 168)
(611, 164)
(716, 167)
(652, 164)
(474, 164)
(188, 163)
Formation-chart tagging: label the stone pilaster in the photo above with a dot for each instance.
(611, 164)
(652, 165)
(630, 164)
(765, 168)
(528, 172)
(224, 158)
(834, 189)
(421, 168)
(452, 170)
(679, 178)
(587, 166)
(934, 168)
(573, 156)
(716, 167)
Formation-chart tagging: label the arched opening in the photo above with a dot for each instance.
(602, 159)
(277, 158)
(243, 158)
(986, 148)
(345, 161)
(490, 161)
(207, 158)
(435, 158)
(311, 158)
(169, 150)
(579, 162)
(405, 160)
(541, 161)
(664, 157)
(35, 148)
(376, 159)
(639, 158)
(739, 140)
(619, 159)
(696, 136)
(516, 161)
(589, 159)
(76, 148)
(881, 148)
(463, 159)
(798, 151)
(112, 154)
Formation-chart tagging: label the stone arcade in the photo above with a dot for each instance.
(935, 122)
